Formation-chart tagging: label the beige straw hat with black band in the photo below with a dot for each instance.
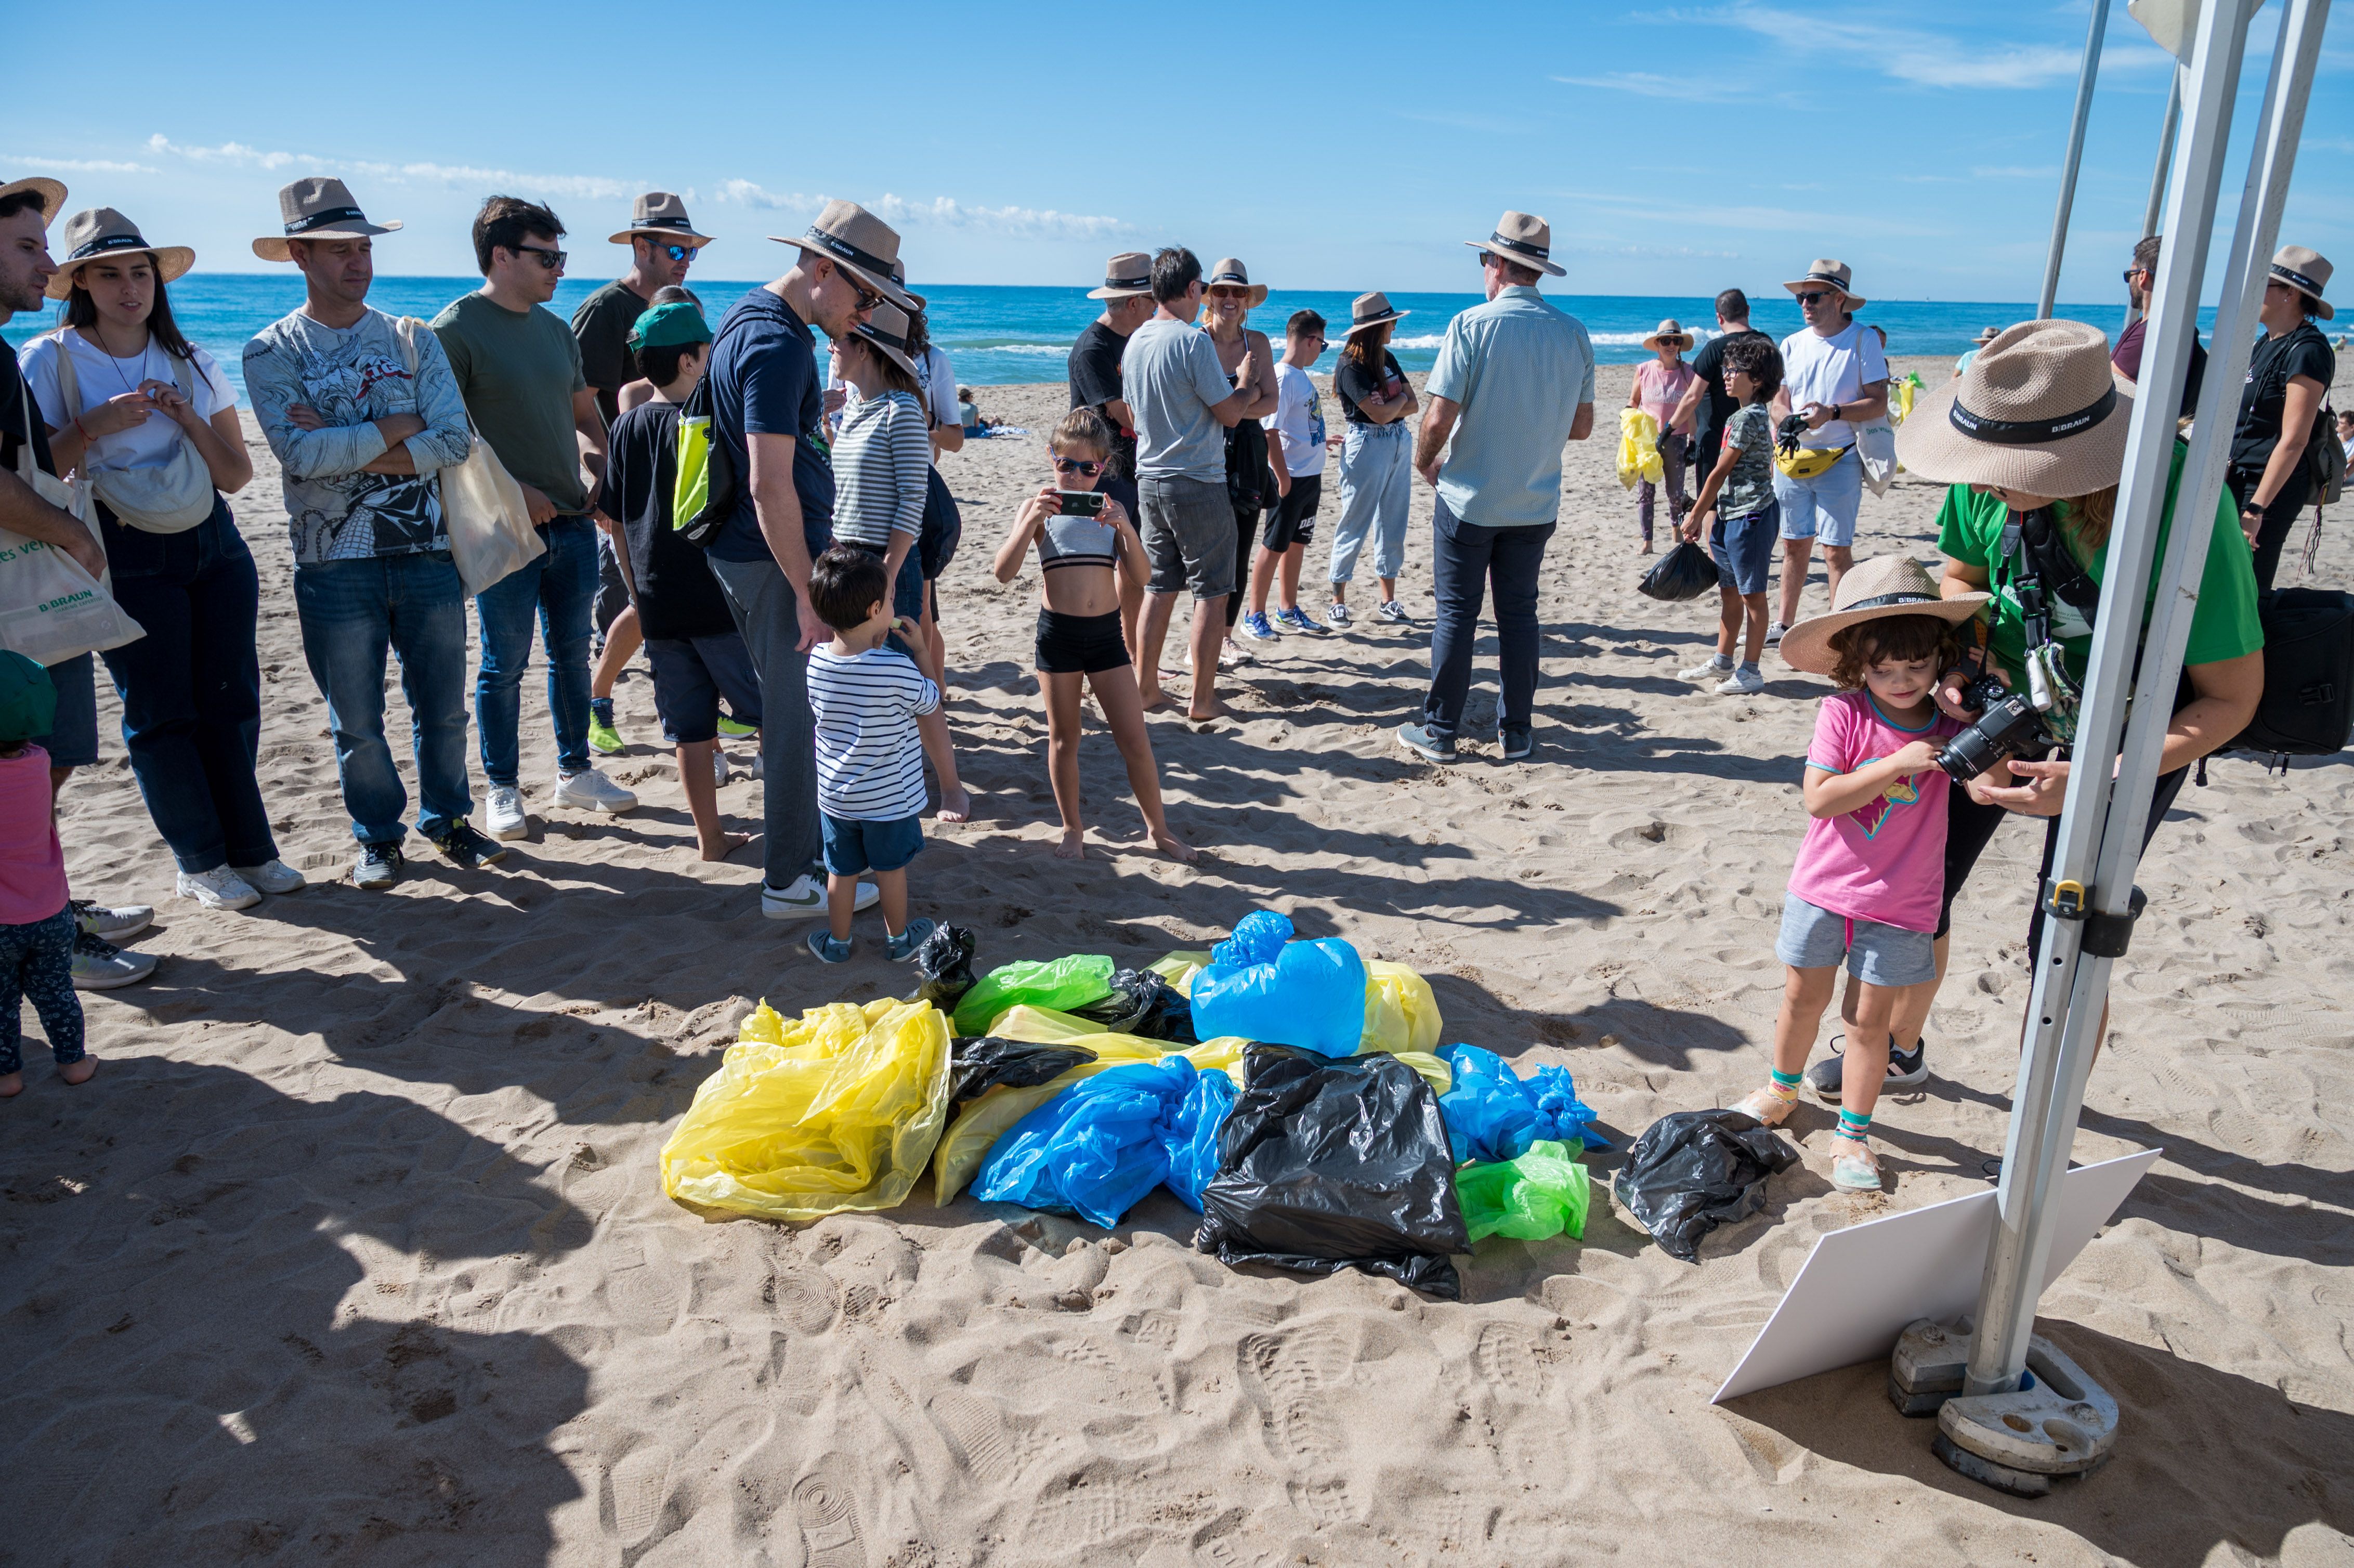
(52, 194)
(887, 330)
(1838, 275)
(1230, 273)
(1872, 591)
(2306, 272)
(858, 242)
(900, 276)
(1126, 275)
(659, 215)
(1522, 238)
(1370, 311)
(102, 234)
(317, 207)
(1670, 331)
(2039, 411)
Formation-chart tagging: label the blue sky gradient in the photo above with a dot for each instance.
(1675, 149)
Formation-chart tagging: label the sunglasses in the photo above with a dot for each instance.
(1074, 465)
(1227, 291)
(1814, 296)
(678, 252)
(551, 260)
(2133, 272)
(867, 298)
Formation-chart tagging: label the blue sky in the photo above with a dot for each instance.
(1674, 149)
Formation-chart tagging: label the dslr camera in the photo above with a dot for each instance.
(2007, 726)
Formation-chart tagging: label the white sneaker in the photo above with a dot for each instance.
(1337, 615)
(589, 790)
(114, 923)
(806, 897)
(503, 813)
(719, 768)
(275, 876)
(219, 889)
(1742, 682)
(1711, 670)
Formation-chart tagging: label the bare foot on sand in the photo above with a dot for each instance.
(1218, 710)
(1072, 847)
(728, 845)
(1176, 848)
(1156, 701)
(956, 806)
(79, 1072)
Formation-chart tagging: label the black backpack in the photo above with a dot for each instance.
(2307, 708)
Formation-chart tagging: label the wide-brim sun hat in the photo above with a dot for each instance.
(886, 332)
(317, 207)
(2306, 272)
(1987, 335)
(858, 242)
(1522, 238)
(1668, 331)
(900, 276)
(1230, 273)
(1370, 310)
(2039, 410)
(1126, 275)
(1823, 270)
(1872, 591)
(102, 234)
(52, 194)
(659, 215)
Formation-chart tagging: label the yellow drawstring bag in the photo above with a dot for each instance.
(1638, 448)
(838, 1110)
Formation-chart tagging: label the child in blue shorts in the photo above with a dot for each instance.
(870, 757)
(1736, 505)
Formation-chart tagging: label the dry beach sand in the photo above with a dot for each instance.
(353, 1253)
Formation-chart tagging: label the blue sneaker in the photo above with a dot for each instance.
(829, 949)
(903, 946)
(1297, 620)
(1255, 627)
(1418, 739)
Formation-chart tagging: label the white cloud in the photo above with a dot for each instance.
(1927, 60)
(594, 187)
(1644, 84)
(2047, 172)
(75, 165)
(943, 212)
(745, 194)
(228, 152)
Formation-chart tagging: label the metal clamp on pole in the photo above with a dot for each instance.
(2108, 935)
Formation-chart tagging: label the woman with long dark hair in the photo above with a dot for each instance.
(151, 422)
(1376, 457)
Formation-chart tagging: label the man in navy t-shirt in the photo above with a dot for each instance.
(769, 413)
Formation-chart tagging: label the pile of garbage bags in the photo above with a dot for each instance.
(1292, 1092)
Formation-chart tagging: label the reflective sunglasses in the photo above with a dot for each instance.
(678, 252)
(552, 260)
(1814, 296)
(1075, 465)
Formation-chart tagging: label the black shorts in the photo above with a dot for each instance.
(1292, 519)
(1080, 645)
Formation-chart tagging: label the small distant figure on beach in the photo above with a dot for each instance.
(969, 415)
(1376, 458)
(1658, 390)
(1986, 336)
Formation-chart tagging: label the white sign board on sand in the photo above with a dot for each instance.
(1861, 1287)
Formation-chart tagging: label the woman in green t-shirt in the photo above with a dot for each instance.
(2037, 421)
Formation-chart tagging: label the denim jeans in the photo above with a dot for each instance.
(557, 590)
(1464, 559)
(1822, 508)
(352, 612)
(191, 688)
(1376, 469)
(762, 600)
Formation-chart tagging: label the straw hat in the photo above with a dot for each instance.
(2040, 409)
(900, 276)
(887, 330)
(1669, 330)
(1988, 334)
(1837, 274)
(1370, 311)
(2306, 272)
(1126, 275)
(317, 208)
(1524, 238)
(658, 215)
(1231, 273)
(53, 194)
(858, 242)
(104, 233)
(1872, 591)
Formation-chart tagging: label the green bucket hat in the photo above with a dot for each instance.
(28, 699)
(668, 326)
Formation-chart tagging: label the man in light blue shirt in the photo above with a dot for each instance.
(1514, 382)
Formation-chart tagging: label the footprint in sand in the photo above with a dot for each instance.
(976, 1434)
(1287, 1373)
(829, 1524)
(1507, 1356)
(640, 1483)
(805, 1298)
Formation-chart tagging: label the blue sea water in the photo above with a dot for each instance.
(997, 335)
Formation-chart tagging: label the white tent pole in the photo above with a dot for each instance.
(2157, 207)
(2086, 74)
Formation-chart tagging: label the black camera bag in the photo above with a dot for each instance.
(2307, 708)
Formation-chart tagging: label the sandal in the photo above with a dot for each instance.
(1858, 1169)
(1766, 1108)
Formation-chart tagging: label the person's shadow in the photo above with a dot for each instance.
(201, 1367)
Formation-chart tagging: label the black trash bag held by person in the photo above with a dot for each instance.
(1143, 1004)
(945, 960)
(978, 1063)
(1332, 1162)
(1684, 572)
(1693, 1171)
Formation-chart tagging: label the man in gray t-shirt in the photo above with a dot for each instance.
(1183, 406)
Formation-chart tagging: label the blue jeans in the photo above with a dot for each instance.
(352, 612)
(1376, 469)
(557, 590)
(36, 966)
(1464, 559)
(191, 688)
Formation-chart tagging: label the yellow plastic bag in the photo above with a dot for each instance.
(1638, 448)
(1041, 1025)
(1401, 1011)
(1180, 967)
(838, 1110)
(1436, 1073)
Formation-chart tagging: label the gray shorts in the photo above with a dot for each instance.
(1187, 531)
(1814, 938)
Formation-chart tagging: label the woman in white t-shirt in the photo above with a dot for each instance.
(148, 418)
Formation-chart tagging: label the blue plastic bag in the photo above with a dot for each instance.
(1193, 1135)
(1492, 1114)
(1093, 1149)
(1263, 986)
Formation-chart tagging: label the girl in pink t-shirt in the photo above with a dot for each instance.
(1872, 870)
(36, 924)
(1658, 387)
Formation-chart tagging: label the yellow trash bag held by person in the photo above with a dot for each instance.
(838, 1110)
(1638, 448)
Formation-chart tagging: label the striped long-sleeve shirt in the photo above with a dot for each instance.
(882, 461)
(870, 761)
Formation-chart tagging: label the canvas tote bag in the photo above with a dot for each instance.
(51, 610)
(489, 523)
(172, 499)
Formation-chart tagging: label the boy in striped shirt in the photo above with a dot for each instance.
(870, 759)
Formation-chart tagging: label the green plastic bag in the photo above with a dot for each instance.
(1541, 1194)
(1064, 983)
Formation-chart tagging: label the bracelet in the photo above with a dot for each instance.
(87, 439)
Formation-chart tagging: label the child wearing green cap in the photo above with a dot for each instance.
(37, 927)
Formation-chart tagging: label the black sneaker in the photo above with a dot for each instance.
(378, 867)
(467, 848)
(1906, 1070)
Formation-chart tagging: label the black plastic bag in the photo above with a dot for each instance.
(1332, 1162)
(979, 1063)
(1693, 1171)
(1684, 572)
(945, 960)
(1143, 1004)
